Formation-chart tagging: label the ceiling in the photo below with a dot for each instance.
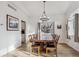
(35, 8)
(52, 7)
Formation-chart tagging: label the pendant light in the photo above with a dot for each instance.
(44, 16)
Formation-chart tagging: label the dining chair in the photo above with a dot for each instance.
(38, 49)
(36, 45)
(52, 46)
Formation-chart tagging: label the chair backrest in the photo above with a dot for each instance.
(30, 37)
(53, 36)
(56, 40)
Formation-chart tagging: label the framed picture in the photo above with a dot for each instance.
(12, 23)
(46, 28)
(59, 26)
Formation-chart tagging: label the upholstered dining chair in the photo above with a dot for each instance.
(36, 46)
(38, 49)
(52, 47)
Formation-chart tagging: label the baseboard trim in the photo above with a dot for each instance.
(7, 50)
(3, 52)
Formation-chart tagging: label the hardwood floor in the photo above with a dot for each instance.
(62, 51)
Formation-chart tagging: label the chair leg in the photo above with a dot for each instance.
(46, 52)
(39, 53)
(32, 51)
(56, 52)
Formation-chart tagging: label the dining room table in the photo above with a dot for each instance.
(42, 41)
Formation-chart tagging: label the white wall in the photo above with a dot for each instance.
(60, 20)
(9, 40)
(71, 11)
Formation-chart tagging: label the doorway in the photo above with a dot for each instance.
(23, 32)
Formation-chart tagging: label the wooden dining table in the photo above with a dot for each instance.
(42, 41)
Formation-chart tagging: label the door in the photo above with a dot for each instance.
(23, 32)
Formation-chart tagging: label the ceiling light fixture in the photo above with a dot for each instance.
(44, 16)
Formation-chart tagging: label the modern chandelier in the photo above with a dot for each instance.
(44, 16)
